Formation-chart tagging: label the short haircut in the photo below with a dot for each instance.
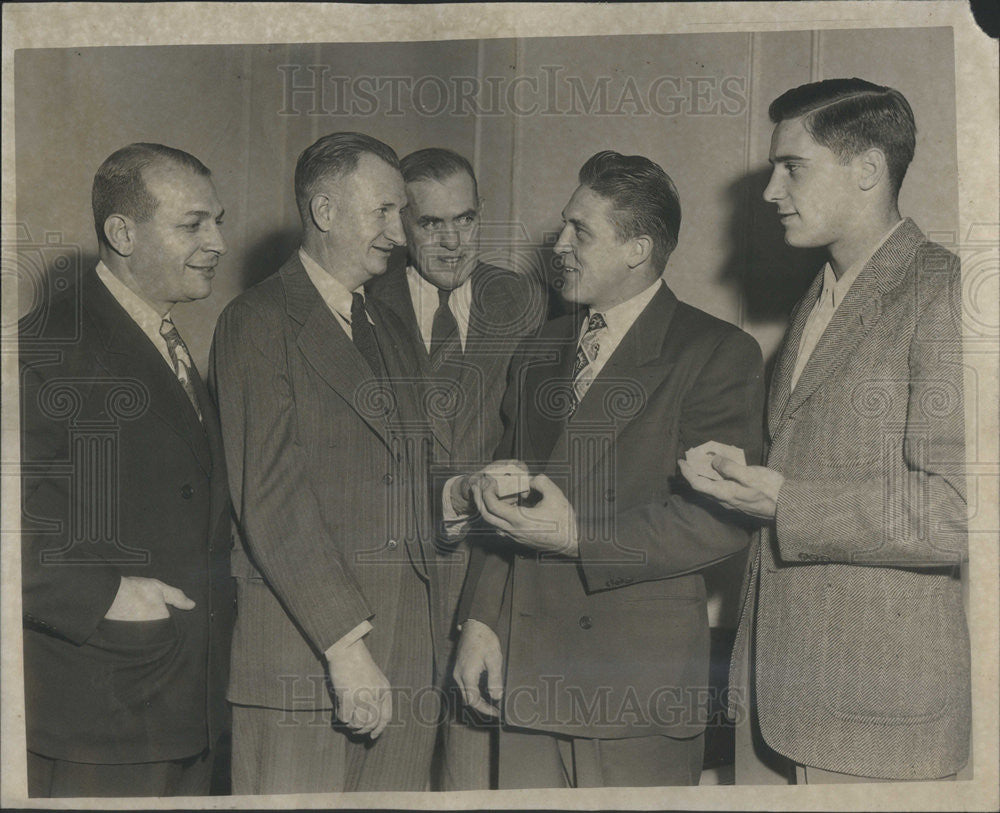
(849, 116)
(436, 164)
(330, 157)
(644, 199)
(120, 188)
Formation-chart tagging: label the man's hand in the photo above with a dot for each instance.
(364, 697)
(462, 500)
(478, 652)
(752, 490)
(141, 599)
(548, 525)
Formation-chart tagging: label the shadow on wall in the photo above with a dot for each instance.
(770, 274)
(266, 256)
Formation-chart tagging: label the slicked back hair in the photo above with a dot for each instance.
(119, 186)
(644, 199)
(330, 157)
(436, 164)
(849, 116)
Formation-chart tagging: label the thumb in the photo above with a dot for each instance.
(175, 598)
(494, 679)
(544, 485)
(729, 469)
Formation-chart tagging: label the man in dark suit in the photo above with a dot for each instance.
(589, 616)
(465, 319)
(126, 524)
(852, 648)
(317, 389)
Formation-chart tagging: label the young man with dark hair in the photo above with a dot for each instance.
(589, 615)
(852, 654)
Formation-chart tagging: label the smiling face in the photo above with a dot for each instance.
(366, 224)
(175, 252)
(442, 229)
(816, 195)
(596, 271)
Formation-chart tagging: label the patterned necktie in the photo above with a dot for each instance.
(586, 355)
(364, 336)
(181, 359)
(445, 342)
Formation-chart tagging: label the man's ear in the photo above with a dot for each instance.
(321, 209)
(119, 231)
(640, 250)
(872, 168)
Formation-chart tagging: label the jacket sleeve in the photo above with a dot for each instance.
(68, 598)
(685, 532)
(276, 507)
(916, 513)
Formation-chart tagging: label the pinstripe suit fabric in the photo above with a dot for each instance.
(330, 497)
(853, 599)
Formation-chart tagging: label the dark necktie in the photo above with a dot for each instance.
(181, 359)
(364, 336)
(446, 345)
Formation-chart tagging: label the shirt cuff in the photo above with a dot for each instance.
(355, 635)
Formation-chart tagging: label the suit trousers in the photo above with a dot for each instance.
(537, 759)
(58, 778)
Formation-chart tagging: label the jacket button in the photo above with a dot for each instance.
(391, 544)
(609, 495)
(187, 492)
(586, 622)
(387, 479)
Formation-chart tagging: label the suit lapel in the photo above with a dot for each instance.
(618, 394)
(327, 349)
(781, 378)
(857, 314)
(129, 353)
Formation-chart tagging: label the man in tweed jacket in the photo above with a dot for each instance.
(852, 648)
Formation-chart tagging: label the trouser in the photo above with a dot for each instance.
(534, 759)
(57, 778)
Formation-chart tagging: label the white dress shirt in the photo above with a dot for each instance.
(424, 296)
(830, 296)
(138, 309)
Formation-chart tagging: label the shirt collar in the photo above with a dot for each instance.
(460, 296)
(334, 294)
(622, 316)
(142, 313)
(836, 289)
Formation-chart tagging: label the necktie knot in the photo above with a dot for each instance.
(596, 322)
(358, 312)
(444, 294)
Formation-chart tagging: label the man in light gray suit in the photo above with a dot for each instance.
(332, 578)
(852, 649)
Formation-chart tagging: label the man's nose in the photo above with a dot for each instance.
(775, 189)
(394, 231)
(562, 245)
(214, 241)
(449, 238)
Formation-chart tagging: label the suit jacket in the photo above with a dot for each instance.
(616, 643)
(119, 478)
(328, 478)
(506, 308)
(853, 598)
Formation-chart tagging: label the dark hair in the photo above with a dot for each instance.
(644, 198)
(119, 186)
(849, 116)
(331, 156)
(436, 164)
